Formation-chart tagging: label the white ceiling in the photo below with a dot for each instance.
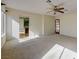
(40, 6)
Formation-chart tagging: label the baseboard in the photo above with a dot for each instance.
(69, 36)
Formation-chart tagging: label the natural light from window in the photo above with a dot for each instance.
(60, 52)
(32, 35)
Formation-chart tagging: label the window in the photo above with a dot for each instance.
(3, 23)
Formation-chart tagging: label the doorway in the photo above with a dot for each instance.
(24, 27)
(57, 26)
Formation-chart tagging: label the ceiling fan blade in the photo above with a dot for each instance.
(60, 8)
(3, 4)
(60, 11)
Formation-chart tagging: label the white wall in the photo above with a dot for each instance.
(12, 27)
(9, 27)
(68, 24)
(35, 22)
(49, 25)
(15, 27)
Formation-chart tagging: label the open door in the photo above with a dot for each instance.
(57, 26)
(24, 27)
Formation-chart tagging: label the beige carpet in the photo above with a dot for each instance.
(36, 48)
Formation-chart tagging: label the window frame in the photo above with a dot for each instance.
(3, 23)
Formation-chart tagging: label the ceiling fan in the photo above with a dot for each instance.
(55, 8)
